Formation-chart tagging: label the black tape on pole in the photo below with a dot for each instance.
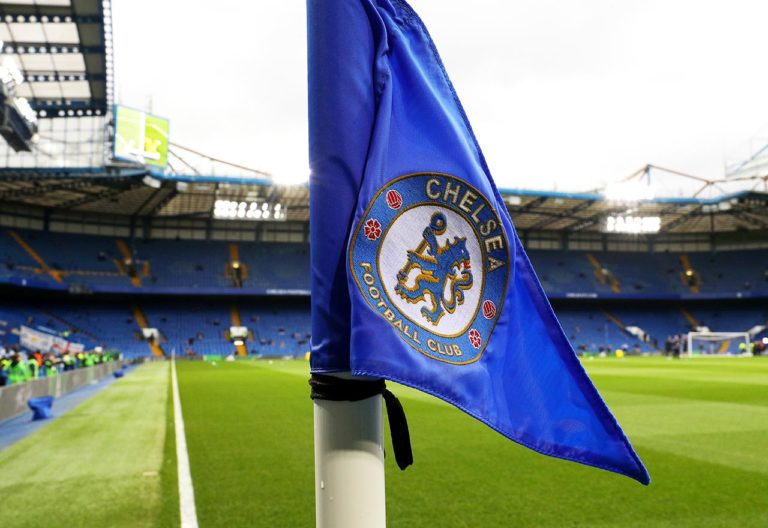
(337, 389)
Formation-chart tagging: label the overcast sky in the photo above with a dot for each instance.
(561, 94)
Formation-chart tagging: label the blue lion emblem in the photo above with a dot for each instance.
(441, 270)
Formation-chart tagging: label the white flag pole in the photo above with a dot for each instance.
(349, 464)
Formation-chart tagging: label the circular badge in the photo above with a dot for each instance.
(435, 266)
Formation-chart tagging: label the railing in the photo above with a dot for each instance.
(13, 398)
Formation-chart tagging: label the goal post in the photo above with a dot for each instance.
(717, 343)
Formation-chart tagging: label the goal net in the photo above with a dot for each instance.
(716, 343)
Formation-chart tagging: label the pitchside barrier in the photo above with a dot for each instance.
(13, 398)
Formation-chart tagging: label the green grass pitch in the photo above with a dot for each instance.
(700, 425)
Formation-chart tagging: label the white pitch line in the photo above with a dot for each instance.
(186, 492)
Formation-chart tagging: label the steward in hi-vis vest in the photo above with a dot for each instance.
(50, 367)
(68, 360)
(5, 364)
(33, 368)
(17, 371)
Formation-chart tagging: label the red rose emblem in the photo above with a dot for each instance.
(372, 229)
(474, 338)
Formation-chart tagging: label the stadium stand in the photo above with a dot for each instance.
(187, 264)
(279, 326)
(97, 262)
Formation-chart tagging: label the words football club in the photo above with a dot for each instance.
(430, 256)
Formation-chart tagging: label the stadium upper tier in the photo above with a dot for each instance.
(111, 265)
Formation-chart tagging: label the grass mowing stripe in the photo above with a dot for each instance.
(186, 491)
(249, 438)
(169, 482)
(734, 450)
(98, 465)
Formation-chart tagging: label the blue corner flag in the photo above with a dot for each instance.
(418, 275)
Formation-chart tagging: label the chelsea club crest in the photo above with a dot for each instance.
(431, 257)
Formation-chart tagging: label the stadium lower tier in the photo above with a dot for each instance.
(163, 328)
(276, 327)
(111, 265)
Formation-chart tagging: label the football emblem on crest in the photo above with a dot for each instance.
(489, 309)
(394, 199)
(435, 267)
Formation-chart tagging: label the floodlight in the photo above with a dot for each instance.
(10, 74)
(22, 105)
(251, 210)
(632, 224)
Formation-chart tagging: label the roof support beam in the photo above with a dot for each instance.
(680, 220)
(565, 214)
(53, 48)
(64, 77)
(748, 218)
(94, 197)
(38, 189)
(22, 13)
(529, 206)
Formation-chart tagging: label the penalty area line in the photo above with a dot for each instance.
(186, 491)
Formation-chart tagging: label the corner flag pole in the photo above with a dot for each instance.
(349, 463)
(349, 452)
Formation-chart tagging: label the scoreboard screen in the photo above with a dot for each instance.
(140, 137)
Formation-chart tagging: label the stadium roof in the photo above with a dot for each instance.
(136, 193)
(64, 49)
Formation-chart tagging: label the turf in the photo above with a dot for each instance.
(701, 426)
(249, 437)
(101, 464)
